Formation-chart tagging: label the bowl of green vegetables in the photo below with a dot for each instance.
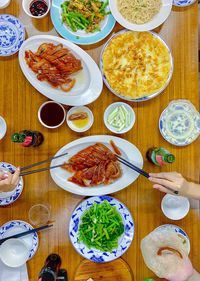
(101, 229)
(82, 21)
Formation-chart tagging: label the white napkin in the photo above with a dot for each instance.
(13, 274)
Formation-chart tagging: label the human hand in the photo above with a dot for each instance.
(8, 181)
(173, 180)
(183, 273)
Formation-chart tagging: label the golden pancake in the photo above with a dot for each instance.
(136, 64)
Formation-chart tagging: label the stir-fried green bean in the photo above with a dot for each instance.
(84, 14)
(101, 226)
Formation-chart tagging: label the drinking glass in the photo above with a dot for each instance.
(39, 214)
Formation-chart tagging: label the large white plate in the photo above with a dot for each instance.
(157, 20)
(129, 151)
(89, 82)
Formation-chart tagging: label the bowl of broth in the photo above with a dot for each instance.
(51, 114)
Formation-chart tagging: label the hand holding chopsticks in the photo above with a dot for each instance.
(140, 171)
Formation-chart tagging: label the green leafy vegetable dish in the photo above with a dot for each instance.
(101, 227)
(84, 14)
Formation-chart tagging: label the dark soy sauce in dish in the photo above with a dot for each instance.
(52, 114)
(38, 8)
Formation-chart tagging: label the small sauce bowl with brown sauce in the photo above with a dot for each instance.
(36, 8)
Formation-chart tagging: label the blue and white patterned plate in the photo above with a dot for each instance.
(7, 198)
(179, 231)
(183, 3)
(179, 123)
(144, 98)
(80, 37)
(12, 35)
(96, 255)
(18, 226)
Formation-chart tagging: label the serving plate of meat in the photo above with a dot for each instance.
(60, 70)
(91, 168)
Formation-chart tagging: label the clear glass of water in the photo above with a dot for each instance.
(39, 214)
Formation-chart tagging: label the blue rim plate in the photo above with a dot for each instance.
(96, 255)
(183, 3)
(80, 37)
(7, 198)
(18, 226)
(179, 231)
(179, 123)
(145, 98)
(12, 35)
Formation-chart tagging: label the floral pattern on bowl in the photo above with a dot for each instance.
(12, 35)
(179, 123)
(96, 255)
(183, 3)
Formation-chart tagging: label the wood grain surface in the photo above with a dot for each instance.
(19, 103)
(116, 270)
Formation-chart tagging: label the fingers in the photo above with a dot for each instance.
(3, 175)
(165, 183)
(15, 177)
(169, 176)
(162, 189)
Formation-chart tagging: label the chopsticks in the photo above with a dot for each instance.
(133, 167)
(26, 232)
(39, 163)
(140, 171)
(41, 170)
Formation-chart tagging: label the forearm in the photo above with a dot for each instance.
(193, 190)
(195, 276)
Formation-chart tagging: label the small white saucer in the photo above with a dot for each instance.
(175, 207)
(3, 127)
(80, 109)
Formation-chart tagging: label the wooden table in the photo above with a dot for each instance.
(19, 105)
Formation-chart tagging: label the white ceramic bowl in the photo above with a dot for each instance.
(4, 3)
(175, 207)
(157, 20)
(3, 127)
(80, 109)
(39, 117)
(26, 6)
(110, 108)
(14, 252)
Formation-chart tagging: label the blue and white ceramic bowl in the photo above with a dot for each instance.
(12, 35)
(183, 3)
(96, 255)
(7, 198)
(80, 37)
(179, 231)
(179, 123)
(17, 226)
(145, 98)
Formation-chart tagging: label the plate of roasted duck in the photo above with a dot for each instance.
(91, 167)
(60, 70)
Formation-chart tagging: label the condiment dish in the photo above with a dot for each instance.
(77, 109)
(175, 207)
(26, 7)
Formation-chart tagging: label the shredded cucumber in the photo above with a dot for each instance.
(101, 226)
(119, 118)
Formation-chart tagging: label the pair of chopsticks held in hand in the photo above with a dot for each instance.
(119, 158)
